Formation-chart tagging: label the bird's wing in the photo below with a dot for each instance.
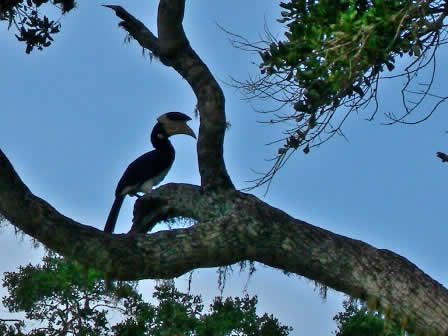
(146, 167)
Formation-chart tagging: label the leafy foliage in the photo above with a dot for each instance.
(69, 300)
(63, 297)
(33, 28)
(331, 60)
(182, 314)
(240, 316)
(357, 320)
(177, 313)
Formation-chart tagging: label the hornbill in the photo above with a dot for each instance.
(151, 168)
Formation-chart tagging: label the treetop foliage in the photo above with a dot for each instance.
(61, 295)
(66, 299)
(357, 320)
(34, 28)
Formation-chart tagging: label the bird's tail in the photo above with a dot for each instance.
(113, 214)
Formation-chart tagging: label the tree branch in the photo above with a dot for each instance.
(164, 203)
(173, 49)
(10, 320)
(234, 226)
(137, 30)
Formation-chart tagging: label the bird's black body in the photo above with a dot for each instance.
(149, 169)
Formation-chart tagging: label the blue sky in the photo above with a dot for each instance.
(75, 115)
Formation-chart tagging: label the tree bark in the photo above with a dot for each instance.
(231, 226)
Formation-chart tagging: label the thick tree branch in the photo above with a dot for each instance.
(163, 203)
(233, 226)
(174, 50)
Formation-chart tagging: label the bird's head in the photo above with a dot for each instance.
(176, 123)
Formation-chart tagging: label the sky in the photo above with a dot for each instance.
(76, 114)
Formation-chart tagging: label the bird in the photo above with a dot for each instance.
(150, 169)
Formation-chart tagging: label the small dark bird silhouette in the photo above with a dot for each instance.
(442, 156)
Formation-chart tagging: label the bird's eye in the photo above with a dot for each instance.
(160, 136)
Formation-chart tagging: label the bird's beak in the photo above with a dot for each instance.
(187, 131)
(179, 128)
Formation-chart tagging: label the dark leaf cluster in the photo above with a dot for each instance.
(12, 329)
(33, 28)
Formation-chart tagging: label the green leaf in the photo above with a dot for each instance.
(416, 50)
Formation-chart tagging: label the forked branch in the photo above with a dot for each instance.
(173, 49)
